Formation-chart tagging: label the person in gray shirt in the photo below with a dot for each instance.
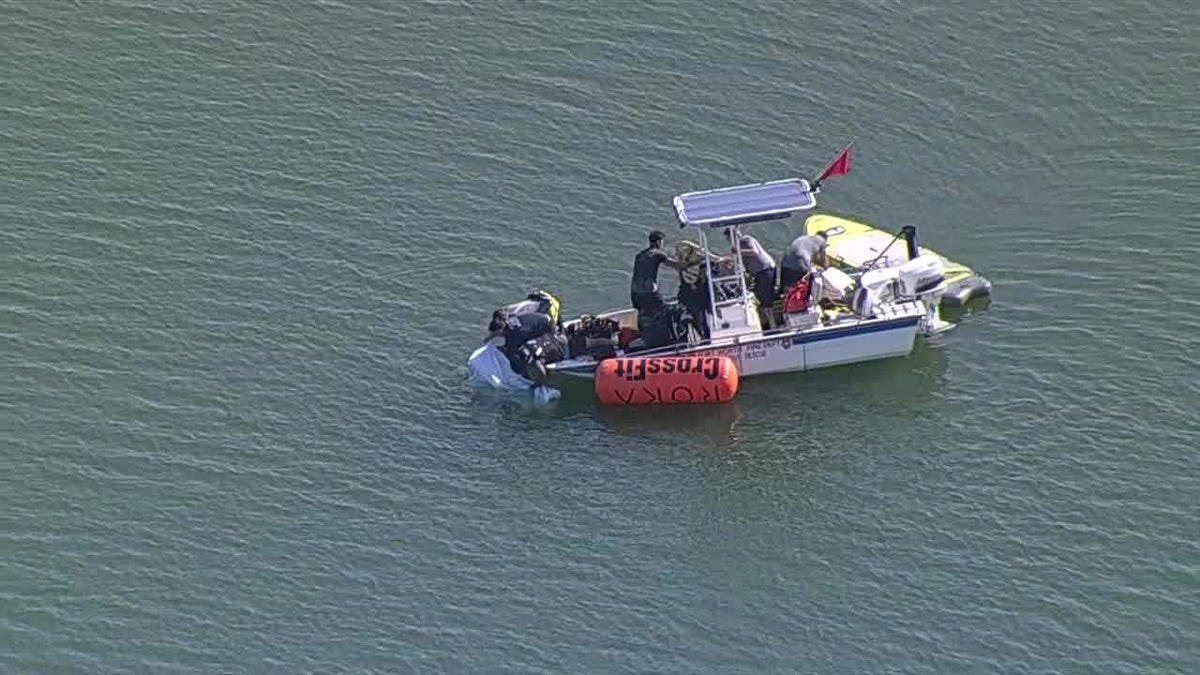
(761, 267)
(798, 261)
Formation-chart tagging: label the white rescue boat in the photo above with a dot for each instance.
(876, 315)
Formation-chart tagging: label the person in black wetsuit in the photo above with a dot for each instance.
(643, 288)
(531, 341)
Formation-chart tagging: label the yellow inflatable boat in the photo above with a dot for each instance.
(853, 246)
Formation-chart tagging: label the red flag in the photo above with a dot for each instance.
(838, 167)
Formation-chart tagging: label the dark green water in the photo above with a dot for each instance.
(246, 247)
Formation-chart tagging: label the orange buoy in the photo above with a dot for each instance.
(666, 379)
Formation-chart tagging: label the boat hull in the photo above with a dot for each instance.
(793, 351)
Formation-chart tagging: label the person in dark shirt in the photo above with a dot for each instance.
(530, 342)
(643, 289)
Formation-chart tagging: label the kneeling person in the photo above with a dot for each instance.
(530, 342)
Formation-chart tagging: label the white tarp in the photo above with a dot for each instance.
(488, 366)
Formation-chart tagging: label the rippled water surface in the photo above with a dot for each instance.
(245, 248)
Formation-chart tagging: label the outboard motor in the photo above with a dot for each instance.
(924, 278)
(921, 276)
(874, 286)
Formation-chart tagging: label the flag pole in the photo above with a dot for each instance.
(816, 185)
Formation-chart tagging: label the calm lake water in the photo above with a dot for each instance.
(246, 247)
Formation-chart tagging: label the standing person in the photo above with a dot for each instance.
(643, 288)
(694, 292)
(761, 267)
(798, 261)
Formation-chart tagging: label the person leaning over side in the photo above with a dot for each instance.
(530, 342)
(800, 257)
